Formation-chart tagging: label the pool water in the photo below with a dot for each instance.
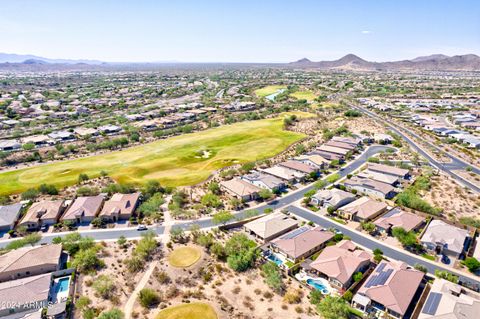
(317, 285)
(62, 285)
(275, 259)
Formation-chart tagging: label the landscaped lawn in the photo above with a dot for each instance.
(304, 95)
(194, 310)
(269, 90)
(181, 160)
(184, 257)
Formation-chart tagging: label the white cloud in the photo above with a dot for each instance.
(366, 32)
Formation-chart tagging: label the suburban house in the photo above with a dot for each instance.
(9, 215)
(43, 213)
(299, 167)
(379, 177)
(389, 289)
(62, 136)
(334, 150)
(332, 198)
(329, 156)
(31, 261)
(370, 187)
(363, 209)
(449, 300)
(85, 131)
(240, 189)
(339, 263)
(398, 218)
(37, 140)
(314, 160)
(270, 226)
(284, 173)
(83, 209)
(445, 239)
(265, 181)
(346, 146)
(109, 129)
(348, 140)
(120, 206)
(9, 145)
(389, 170)
(301, 242)
(22, 293)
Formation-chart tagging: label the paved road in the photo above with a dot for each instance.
(370, 243)
(112, 234)
(456, 164)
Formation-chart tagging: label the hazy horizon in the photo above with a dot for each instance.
(243, 32)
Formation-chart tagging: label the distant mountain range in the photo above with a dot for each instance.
(32, 59)
(435, 62)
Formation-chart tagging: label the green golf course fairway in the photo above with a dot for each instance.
(181, 160)
(269, 90)
(194, 310)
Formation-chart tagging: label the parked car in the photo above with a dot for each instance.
(141, 227)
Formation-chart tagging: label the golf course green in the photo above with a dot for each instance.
(194, 310)
(177, 161)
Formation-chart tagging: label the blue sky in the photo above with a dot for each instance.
(238, 31)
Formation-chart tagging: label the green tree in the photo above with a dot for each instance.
(471, 263)
(357, 276)
(222, 217)
(265, 194)
(82, 178)
(211, 200)
(407, 239)
(273, 276)
(333, 308)
(368, 227)
(29, 194)
(214, 188)
(112, 314)
(241, 252)
(104, 286)
(315, 296)
(87, 260)
(148, 297)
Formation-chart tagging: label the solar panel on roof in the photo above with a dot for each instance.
(295, 233)
(391, 213)
(432, 303)
(371, 281)
(380, 267)
(383, 277)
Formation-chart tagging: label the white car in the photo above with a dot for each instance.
(141, 227)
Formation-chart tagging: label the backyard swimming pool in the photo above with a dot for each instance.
(317, 284)
(275, 259)
(62, 285)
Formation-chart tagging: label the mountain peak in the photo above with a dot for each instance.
(304, 60)
(351, 58)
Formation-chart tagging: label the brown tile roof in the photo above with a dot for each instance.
(298, 166)
(84, 206)
(340, 261)
(122, 204)
(392, 170)
(24, 258)
(399, 288)
(240, 187)
(26, 290)
(43, 210)
(399, 218)
(343, 145)
(364, 207)
(384, 188)
(299, 241)
(271, 224)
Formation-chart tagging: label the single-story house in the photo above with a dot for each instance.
(270, 226)
(448, 300)
(9, 145)
(389, 170)
(363, 209)
(299, 167)
(340, 262)
(20, 294)
(370, 187)
(85, 131)
(110, 129)
(443, 238)
(265, 181)
(334, 150)
(329, 156)
(391, 287)
(379, 177)
(83, 209)
(355, 141)
(30, 261)
(314, 160)
(240, 189)
(37, 140)
(284, 173)
(398, 218)
(9, 215)
(43, 213)
(346, 146)
(332, 198)
(120, 206)
(301, 242)
(62, 136)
